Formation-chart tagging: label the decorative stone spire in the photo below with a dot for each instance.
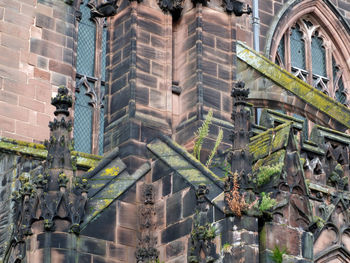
(51, 191)
(239, 184)
(60, 144)
(241, 158)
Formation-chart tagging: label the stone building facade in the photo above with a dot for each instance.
(139, 81)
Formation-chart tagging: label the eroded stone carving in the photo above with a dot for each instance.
(146, 251)
(236, 7)
(106, 9)
(201, 245)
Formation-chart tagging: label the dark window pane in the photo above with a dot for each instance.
(280, 52)
(338, 84)
(335, 69)
(318, 57)
(340, 92)
(82, 121)
(86, 43)
(297, 48)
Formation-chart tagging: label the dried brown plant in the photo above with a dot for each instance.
(235, 202)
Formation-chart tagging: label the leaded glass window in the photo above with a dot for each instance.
(308, 55)
(297, 48)
(318, 56)
(89, 111)
(86, 42)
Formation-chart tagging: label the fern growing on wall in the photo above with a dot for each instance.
(201, 134)
(216, 146)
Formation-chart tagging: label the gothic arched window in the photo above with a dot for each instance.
(308, 52)
(90, 82)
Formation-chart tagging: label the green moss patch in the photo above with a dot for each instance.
(299, 88)
(38, 151)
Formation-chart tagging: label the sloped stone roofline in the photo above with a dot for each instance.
(38, 151)
(299, 88)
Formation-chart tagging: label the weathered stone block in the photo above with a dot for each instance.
(173, 208)
(176, 231)
(166, 184)
(92, 246)
(126, 237)
(175, 248)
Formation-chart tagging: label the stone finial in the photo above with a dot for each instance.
(239, 92)
(62, 101)
(240, 156)
(240, 117)
(60, 143)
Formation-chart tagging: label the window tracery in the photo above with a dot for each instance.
(90, 81)
(307, 51)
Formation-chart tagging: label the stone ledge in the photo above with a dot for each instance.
(38, 151)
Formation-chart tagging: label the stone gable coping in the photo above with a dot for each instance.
(270, 141)
(299, 88)
(111, 191)
(188, 167)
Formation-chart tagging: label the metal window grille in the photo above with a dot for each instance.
(83, 113)
(84, 120)
(297, 48)
(86, 43)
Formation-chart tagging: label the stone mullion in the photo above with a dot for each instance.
(287, 55)
(97, 87)
(308, 54)
(199, 58)
(329, 69)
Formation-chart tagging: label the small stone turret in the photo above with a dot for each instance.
(51, 192)
(60, 144)
(240, 156)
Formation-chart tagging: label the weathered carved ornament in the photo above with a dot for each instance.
(174, 7)
(146, 251)
(236, 7)
(105, 9)
(201, 246)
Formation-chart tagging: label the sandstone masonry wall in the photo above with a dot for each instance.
(37, 56)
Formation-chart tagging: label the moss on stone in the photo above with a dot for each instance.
(265, 173)
(110, 172)
(269, 141)
(39, 151)
(288, 81)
